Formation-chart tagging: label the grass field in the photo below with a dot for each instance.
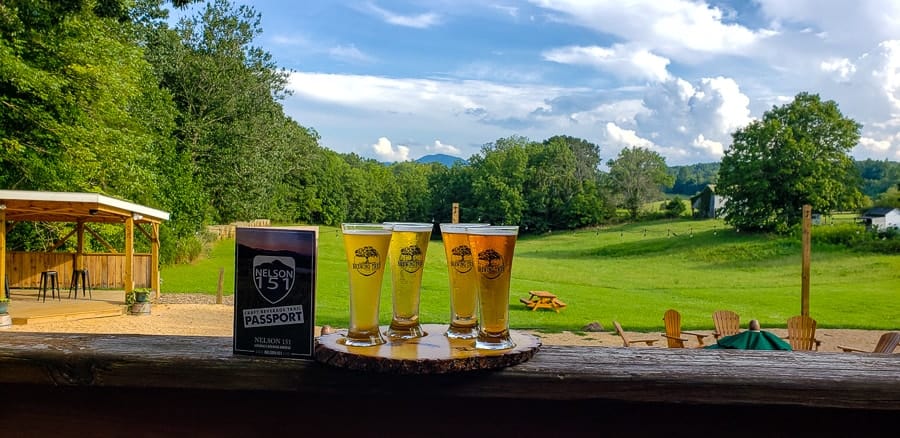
(632, 274)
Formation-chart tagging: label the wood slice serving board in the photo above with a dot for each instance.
(432, 354)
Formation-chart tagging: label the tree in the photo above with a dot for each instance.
(498, 177)
(636, 176)
(797, 154)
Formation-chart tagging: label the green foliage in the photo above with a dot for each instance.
(797, 154)
(693, 178)
(675, 207)
(856, 237)
(630, 273)
(636, 176)
(878, 177)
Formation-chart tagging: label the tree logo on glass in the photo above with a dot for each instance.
(462, 265)
(366, 261)
(411, 258)
(491, 264)
(273, 277)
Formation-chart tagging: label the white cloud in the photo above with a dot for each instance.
(440, 98)
(386, 152)
(349, 53)
(842, 67)
(676, 28)
(626, 137)
(419, 21)
(709, 147)
(693, 122)
(859, 22)
(621, 60)
(440, 148)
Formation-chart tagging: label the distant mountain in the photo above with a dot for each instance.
(446, 160)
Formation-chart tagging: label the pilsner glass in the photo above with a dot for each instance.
(460, 270)
(409, 243)
(493, 249)
(366, 247)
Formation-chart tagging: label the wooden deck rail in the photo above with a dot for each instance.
(160, 385)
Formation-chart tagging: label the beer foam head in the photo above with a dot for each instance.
(409, 226)
(494, 230)
(353, 228)
(459, 228)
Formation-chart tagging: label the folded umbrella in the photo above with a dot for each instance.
(751, 340)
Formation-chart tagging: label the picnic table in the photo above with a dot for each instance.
(541, 299)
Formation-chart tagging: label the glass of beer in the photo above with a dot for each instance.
(366, 247)
(461, 272)
(493, 249)
(409, 243)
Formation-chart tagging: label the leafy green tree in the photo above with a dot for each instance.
(797, 154)
(498, 177)
(449, 186)
(636, 176)
(78, 101)
(231, 126)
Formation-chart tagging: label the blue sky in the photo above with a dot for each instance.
(395, 80)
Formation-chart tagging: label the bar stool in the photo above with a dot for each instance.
(85, 277)
(49, 279)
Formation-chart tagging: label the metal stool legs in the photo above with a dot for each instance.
(49, 279)
(85, 277)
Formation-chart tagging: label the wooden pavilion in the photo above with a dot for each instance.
(113, 269)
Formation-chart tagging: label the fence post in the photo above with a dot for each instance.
(221, 284)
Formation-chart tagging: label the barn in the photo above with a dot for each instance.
(881, 218)
(707, 203)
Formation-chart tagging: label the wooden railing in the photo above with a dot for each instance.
(102, 385)
(106, 269)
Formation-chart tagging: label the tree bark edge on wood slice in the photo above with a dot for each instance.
(432, 354)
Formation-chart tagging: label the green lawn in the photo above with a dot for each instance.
(630, 273)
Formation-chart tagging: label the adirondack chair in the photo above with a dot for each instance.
(886, 344)
(627, 342)
(727, 323)
(673, 330)
(802, 333)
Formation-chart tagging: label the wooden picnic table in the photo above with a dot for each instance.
(541, 299)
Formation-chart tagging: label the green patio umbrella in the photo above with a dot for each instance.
(751, 340)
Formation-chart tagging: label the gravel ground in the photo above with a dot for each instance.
(227, 300)
(198, 315)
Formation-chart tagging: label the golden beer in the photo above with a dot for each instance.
(493, 248)
(462, 275)
(409, 243)
(366, 247)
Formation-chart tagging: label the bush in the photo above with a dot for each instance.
(674, 208)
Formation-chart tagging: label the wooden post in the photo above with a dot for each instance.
(804, 286)
(79, 247)
(154, 259)
(455, 216)
(128, 275)
(3, 250)
(221, 284)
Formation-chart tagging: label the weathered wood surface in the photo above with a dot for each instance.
(556, 373)
(432, 354)
(106, 269)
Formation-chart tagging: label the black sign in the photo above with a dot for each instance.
(274, 291)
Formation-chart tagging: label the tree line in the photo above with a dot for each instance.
(106, 96)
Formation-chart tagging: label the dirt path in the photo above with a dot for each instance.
(193, 319)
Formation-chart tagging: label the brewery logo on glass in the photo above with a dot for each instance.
(273, 277)
(411, 259)
(274, 291)
(366, 260)
(462, 265)
(491, 264)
